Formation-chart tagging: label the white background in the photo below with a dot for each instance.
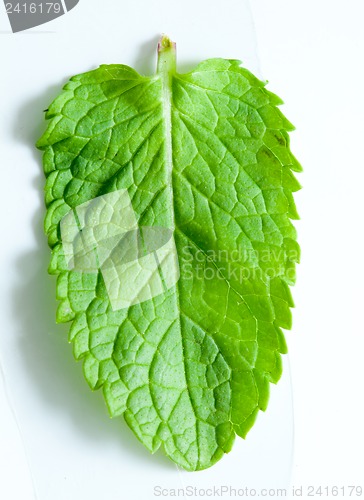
(312, 54)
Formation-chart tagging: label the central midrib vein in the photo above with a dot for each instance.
(166, 68)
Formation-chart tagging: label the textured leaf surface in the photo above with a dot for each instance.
(207, 154)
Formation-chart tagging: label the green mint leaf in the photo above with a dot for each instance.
(189, 176)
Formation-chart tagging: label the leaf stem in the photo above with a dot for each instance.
(166, 56)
